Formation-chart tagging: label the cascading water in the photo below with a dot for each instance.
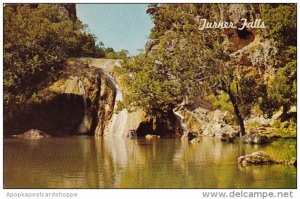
(118, 124)
(83, 128)
(181, 122)
(109, 123)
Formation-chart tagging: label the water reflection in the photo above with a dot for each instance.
(88, 162)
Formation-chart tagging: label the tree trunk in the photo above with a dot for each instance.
(283, 116)
(236, 111)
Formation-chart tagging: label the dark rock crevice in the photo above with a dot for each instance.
(166, 127)
(60, 116)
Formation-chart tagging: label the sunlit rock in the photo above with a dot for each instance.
(261, 158)
(255, 139)
(256, 158)
(32, 134)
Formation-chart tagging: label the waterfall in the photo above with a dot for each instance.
(83, 128)
(109, 124)
(181, 122)
(118, 124)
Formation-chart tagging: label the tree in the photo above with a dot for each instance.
(244, 88)
(284, 87)
(87, 47)
(282, 30)
(183, 61)
(111, 54)
(37, 42)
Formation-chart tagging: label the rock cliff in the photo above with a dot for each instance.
(83, 100)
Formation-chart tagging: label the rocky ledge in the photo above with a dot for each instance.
(32, 134)
(202, 122)
(261, 158)
(255, 139)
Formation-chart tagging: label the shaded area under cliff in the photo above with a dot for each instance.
(60, 116)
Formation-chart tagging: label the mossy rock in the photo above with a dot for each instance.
(256, 158)
(261, 158)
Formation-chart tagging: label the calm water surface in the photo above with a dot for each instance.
(88, 162)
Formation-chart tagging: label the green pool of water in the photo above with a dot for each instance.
(89, 162)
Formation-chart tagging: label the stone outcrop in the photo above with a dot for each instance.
(218, 127)
(81, 79)
(256, 158)
(32, 134)
(83, 100)
(247, 47)
(238, 39)
(255, 139)
(248, 51)
(192, 123)
(208, 123)
(261, 158)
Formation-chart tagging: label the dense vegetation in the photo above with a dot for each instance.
(283, 32)
(181, 66)
(184, 64)
(38, 39)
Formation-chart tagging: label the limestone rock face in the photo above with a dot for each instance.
(260, 52)
(235, 13)
(103, 91)
(247, 47)
(217, 125)
(209, 123)
(82, 100)
(79, 78)
(193, 124)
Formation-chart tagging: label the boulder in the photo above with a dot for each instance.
(151, 137)
(32, 134)
(255, 139)
(261, 158)
(256, 158)
(209, 123)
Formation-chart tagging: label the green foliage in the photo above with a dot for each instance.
(175, 71)
(146, 87)
(283, 88)
(183, 63)
(87, 48)
(281, 20)
(253, 124)
(221, 101)
(285, 129)
(178, 17)
(282, 29)
(37, 42)
(111, 54)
